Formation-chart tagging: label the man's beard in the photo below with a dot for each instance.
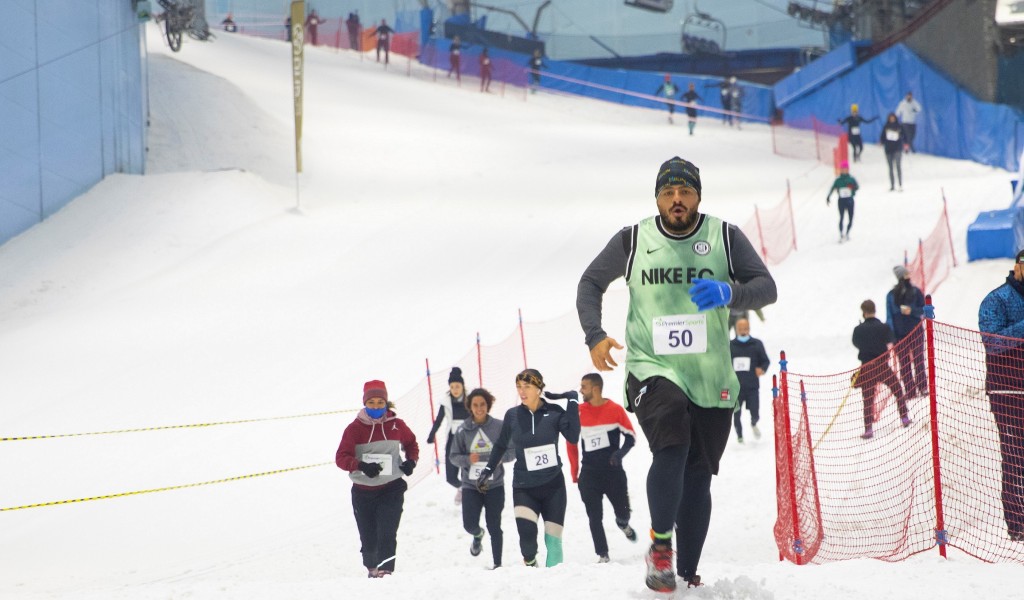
(684, 225)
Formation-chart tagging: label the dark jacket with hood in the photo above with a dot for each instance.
(904, 294)
(1002, 313)
(388, 436)
(528, 431)
(472, 438)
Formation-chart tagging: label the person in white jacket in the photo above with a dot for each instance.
(907, 111)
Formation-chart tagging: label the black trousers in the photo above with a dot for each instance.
(451, 472)
(594, 485)
(378, 513)
(895, 160)
(845, 208)
(1008, 411)
(858, 146)
(910, 362)
(548, 501)
(750, 397)
(687, 442)
(909, 132)
(868, 380)
(491, 503)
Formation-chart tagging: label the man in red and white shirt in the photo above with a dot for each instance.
(606, 436)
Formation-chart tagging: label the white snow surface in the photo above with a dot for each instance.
(205, 291)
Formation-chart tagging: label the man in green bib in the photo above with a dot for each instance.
(684, 270)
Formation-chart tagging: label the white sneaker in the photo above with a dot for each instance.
(757, 432)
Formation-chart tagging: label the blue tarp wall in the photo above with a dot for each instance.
(953, 123)
(757, 99)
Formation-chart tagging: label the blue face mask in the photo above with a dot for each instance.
(375, 413)
(743, 338)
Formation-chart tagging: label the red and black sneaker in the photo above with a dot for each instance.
(661, 577)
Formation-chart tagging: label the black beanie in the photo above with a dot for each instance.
(455, 376)
(676, 171)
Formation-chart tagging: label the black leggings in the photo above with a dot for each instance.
(378, 513)
(547, 501)
(895, 159)
(594, 485)
(845, 208)
(473, 502)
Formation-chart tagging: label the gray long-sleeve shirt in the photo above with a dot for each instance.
(752, 285)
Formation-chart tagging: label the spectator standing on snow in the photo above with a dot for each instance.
(684, 270)
(538, 487)
(453, 409)
(691, 97)
(845, 188)
(471, 449)
(904, 309)
(371, 451)
(853, 123)
(606, 435)
(383, 33)
(750, 361)
(873, 340)
(668, 90)
(1002, 314)
(907, 111)
(892, 141)
(354, 30)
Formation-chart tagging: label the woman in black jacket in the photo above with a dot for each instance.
(892, 140)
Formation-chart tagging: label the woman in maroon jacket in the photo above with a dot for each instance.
(371, 451)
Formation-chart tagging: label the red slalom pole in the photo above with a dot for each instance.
(430, 395)
(940, 520)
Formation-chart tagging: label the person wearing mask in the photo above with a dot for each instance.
(853, 123)
(1001, 321)
(750, 361)
(907, 111)
(873, 340)
(892, 141)
(471, 450)
(684, 270)
(453, 410)
(371, 450)
(845, 188)
(606, 435)
(904, 309)
(538, 487)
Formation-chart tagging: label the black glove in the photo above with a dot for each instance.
(481, 481)
(430, 438)
(370, 469)
(615, 459)
(407, 466)
(570, 395)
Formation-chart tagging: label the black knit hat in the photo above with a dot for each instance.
(455, 376)
(676, 171)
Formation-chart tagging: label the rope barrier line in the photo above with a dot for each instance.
(165, 489)
(853, 384)
(162, 427)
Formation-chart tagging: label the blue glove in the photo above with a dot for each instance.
(708, 293)
(929, 311)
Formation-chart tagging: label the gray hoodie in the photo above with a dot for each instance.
(479, 439)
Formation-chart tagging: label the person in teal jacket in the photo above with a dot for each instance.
(845, 188)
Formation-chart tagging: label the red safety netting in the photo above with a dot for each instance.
(808, 139)
(939, 481)
(935, 256)
(772, 232)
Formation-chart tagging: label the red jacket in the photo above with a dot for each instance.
(385, 437)
(604, 430)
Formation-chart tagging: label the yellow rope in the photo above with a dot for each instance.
(853, 384)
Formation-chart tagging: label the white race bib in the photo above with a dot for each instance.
(595, 441)
(893, 135)
(741, 364)
(845, 192)
(384, 460)
(540, 457)
(680, 334)
(855, 131)
(475, 469)
(456, 423)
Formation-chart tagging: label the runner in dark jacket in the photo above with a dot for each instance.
(538, 487)
(853, 124)
(873, 339)
(892, 140)
(750, 361)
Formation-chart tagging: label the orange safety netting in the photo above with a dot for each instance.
(952, 477)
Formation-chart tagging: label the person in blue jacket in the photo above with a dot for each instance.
(904, 309)
(1001, 320)
(750, 361)
(538, 487)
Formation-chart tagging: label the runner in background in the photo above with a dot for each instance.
(453, 408)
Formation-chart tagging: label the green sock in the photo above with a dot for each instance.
(554, 546)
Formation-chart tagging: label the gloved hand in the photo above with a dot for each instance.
(570, 395)
(708, 293)
(615, 459)
(407, 466)
(481, 482)
(430, 438)
(370, 469)
(929, 311)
